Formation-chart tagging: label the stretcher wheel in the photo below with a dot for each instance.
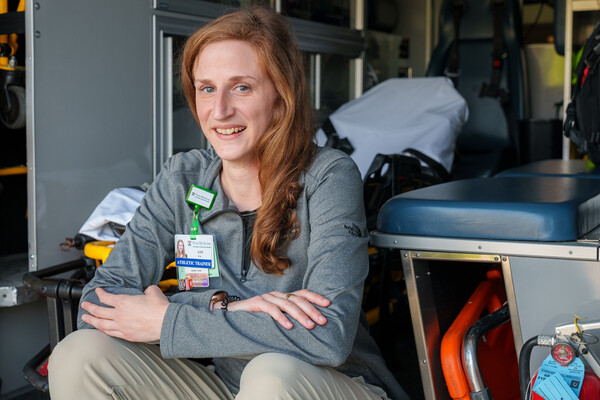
(12, 112)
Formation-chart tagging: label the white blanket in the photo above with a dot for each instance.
(116, 209)
(425, 114)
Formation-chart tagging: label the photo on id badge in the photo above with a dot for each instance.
(196, 261)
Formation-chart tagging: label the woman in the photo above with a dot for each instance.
(280, 317)
(180, 253)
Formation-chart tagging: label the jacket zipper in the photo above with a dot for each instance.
(244, 238)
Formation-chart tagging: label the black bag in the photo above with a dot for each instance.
(582, 122)
(392, 174)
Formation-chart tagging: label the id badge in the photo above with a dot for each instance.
(197, 261)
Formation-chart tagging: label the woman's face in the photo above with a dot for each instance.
(234, 99)
(180, 247)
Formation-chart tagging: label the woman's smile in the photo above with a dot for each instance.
(229, 131)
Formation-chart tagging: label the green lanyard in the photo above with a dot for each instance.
(199, 197)
(195, 227)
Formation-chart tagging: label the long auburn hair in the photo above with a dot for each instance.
(286, 149)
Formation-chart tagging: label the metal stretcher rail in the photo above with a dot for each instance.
(62, 296)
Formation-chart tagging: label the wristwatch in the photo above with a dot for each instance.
(220, 300)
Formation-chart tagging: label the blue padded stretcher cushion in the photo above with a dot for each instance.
(573, 168)
(503, 208)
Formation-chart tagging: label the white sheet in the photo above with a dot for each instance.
(426, 114)
(118, 208)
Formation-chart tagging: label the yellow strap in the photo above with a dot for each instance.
(13, 171)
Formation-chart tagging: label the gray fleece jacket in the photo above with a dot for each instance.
(329, 257)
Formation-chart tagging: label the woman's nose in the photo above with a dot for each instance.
(223, 107)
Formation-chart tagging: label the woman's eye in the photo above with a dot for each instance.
(243, 88)
(206, 89)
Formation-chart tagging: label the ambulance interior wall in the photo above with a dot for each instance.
(92, 114)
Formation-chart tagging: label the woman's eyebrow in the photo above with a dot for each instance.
(202, 81)
(244, 78)
(230, 79)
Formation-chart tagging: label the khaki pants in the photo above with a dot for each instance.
(89, 364)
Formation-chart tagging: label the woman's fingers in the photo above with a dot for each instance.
(313, 297)
(298, 305)
(99, 323)
(306, 299)
(137, 318)
(265, 303)
(277, 314)
(306, 294)
(97, 310)
(290, 307)
(308, 309)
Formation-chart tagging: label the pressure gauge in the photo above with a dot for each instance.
(563, 353)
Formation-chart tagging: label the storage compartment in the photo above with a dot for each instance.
(438, 286)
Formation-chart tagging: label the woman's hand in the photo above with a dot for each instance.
(136, 318)
(299, 305)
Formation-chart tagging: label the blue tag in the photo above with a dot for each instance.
(572, 374)
(554, 388)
